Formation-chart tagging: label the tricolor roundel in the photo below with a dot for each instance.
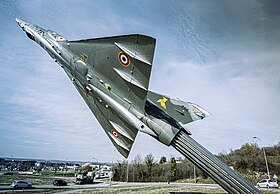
(124, 59)
(60, 38)
(115, 133)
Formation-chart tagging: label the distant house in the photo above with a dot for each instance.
(103, 171)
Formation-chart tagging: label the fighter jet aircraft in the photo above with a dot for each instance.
(112, 75)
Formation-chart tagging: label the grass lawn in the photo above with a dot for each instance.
(48, 179)
(34, 179)
(162, 190)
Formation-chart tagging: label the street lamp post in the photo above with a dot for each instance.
(266, 164)
(127, 171)
(194, 174)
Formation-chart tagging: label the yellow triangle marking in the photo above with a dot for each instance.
(108, 86)
(162, 102)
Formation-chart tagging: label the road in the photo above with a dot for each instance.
(72, 188)
(4, 189)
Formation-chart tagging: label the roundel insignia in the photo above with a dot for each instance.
(124, 59)
(60, 38)
(115, 133)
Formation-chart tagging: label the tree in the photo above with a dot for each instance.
(86, 167)
(173, 169)
(149, 161)
(138, 169)
(119, 171)
(162, 160)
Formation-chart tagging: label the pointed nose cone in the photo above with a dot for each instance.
(21, 23)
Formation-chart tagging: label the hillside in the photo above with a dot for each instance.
(250, 160)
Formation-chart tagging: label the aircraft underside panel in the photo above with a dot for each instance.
(121, 134)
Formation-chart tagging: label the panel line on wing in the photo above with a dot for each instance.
(121, 131)
(129, 79)
(119, 142)
(131, 53)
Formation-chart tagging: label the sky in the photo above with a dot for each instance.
(223, 55)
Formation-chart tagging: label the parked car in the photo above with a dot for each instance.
(20, 184)
(59, 182)
(267, 183)
(8, 173)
